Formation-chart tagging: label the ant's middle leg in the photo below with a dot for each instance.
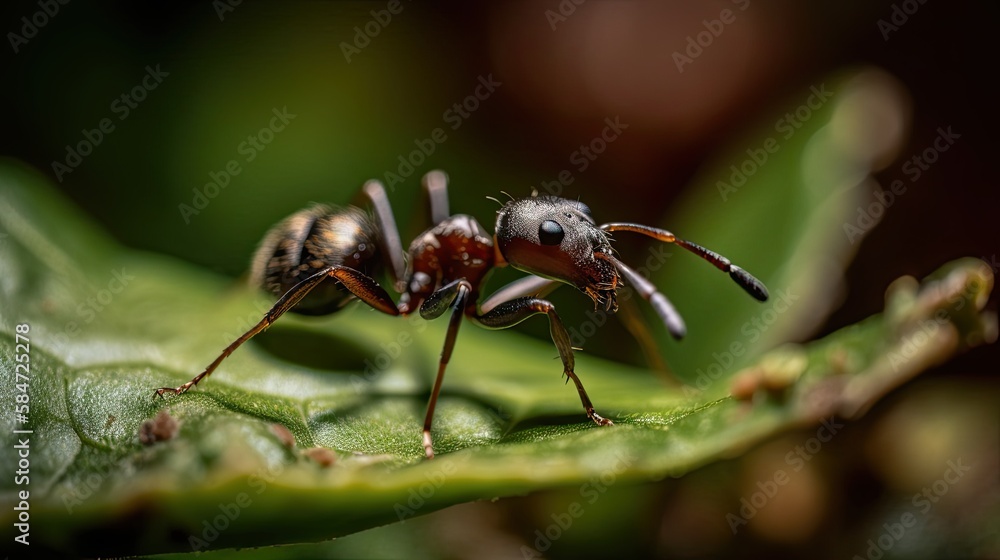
(361, 285)
(454, 295)
(512, 312)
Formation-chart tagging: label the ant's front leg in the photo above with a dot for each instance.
(512, 312)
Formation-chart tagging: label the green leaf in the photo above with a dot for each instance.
(109, 325)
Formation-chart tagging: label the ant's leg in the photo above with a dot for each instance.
(671, 318)
(631, 317)
(527, 286)
(453, 295)
(540, 287)
(436, 186)
(512, 312)
(392, 247)
(746, 281)
(359, 284)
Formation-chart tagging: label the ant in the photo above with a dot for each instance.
(321, 258)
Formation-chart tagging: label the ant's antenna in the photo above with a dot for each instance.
(751, 285)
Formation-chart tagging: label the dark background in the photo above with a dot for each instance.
(354, 119)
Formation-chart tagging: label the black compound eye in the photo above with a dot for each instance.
(550, 233)
(581, 207)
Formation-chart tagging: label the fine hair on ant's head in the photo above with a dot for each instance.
(557, 238)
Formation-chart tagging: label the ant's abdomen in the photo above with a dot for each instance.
(309, 241)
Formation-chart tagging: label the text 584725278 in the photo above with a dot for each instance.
(22, 370)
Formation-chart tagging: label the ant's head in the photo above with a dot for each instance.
(557, 238)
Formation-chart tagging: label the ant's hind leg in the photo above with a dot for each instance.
(392, 247)
(436, 186)
(358, 283)
(512, 312)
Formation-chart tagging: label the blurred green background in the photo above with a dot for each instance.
(227, 68)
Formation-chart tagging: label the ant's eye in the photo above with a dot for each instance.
(550, 233)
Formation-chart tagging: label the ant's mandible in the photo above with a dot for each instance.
(321, 258)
